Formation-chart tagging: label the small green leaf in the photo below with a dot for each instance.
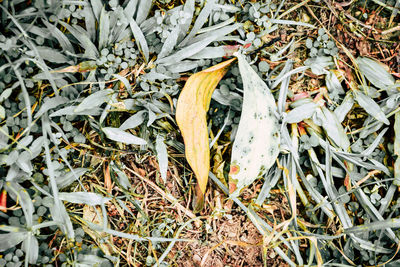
(133, 121)
(11, 240)
(31, 248)
(122, 177)
(375, 72)
(94, 100)
(139, 37)
(119, 135)
(70, 177)
(162, 157)
(88, 198)
(301, 113)
(104, 28)
(50, 104)
(333, 127)
(371, 107)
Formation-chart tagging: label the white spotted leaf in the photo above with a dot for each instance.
(256, 144)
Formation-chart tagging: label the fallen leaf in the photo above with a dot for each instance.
(256, 144)
(191, 110)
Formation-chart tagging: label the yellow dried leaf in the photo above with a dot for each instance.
(191, 110)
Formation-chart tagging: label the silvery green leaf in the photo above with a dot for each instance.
(285, 75)
(94, 100)
(233, 99)
(300, 102)
(333, 83)
(49, 54)
(182, 66)
(39, 31)
(143, 10)
(68, 178)
(152, 118)
(217, 26)
(3, 136)
(83, 38)
(153, 75)
(104, 28)
(374, 144)
(201, 19)
(88, 260)
(162, 157)
(396, 148)
(133, 121)
(139, 37)
(20, 195)
(256, 143)
(10, 240)
(90, 21)
(11, 158)
(60, 214)
(301, 113)
(25, 141)
(194, 48)
(60, 36)
(318, 64)
(5, 94)
(2, 113)
(188, 10)
(371, 107)
(24, 162)
(119, 135)
(87, 198)
(333, 127)
(50, 104)
(70, 110)
(375, 72)
(130, 8)
(31, 248)
(217, 34)
(170, 42)
(278, 56)
(373, 226)
(283, 92)
(344, 108)
(96, 5)
(124, 81)
(108, 106)
(210, 53)
(122, 178)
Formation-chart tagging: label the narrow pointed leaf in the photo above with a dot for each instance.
(104, 28)
(371, 107)
(256, 144)
(375, 72)
(133, 121)
(333, 128)
(94, 100)
(119, 135)
(140, 39)
(11, 240)
(162, 157)
(87, 198)
(301, 113)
